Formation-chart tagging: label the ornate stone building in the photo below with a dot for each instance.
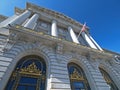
(39, 50)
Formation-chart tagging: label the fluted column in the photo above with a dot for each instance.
(91, 44)
(54, 28)
(32, 21)
(73, 35)
(21, 18)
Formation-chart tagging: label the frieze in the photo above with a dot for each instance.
(54, 14)
(3, 17)
(18, 10)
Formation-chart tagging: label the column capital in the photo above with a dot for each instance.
(27, 11)
(32, 21)
(54, 21)
(69, 27)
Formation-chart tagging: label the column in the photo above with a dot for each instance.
(8, 20)
(54, 29)
(32, 21)
(95, 43)
(73, 36)
(21, 18)
(16, 19)
(91, 44)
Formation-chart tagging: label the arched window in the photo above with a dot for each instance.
(77, 77)
(29, 74)
(108, 79)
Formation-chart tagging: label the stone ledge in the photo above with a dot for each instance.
(20, 47)
(60, 86)
(5, 59)
(4, 63)
(14, 52)
(3, 69)
(57, 63)
(59, 76)
(16, 49)
(61, 65)
(60, 80)
(102, 84)
(1, 74)
(59, 68)
(61, 89)
(103, 88)
(59, 71)
(9, 55)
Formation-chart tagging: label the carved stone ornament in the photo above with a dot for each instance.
(117, 59)
(59, 48)
(76, 75)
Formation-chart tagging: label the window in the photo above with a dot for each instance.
(81, 40)
(108, 80)
(44, 25)
(29, 74)
(77, 77)
(62, 33)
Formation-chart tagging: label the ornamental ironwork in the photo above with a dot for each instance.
(76, 75)
(30, 74)
(30, 70)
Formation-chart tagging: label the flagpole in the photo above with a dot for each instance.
(82, 30)
(79, 34)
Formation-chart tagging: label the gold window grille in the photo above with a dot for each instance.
(28, 75)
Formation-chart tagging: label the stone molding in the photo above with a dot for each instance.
(3, 17)
(53, 13)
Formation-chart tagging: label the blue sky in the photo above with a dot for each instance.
(102, 16)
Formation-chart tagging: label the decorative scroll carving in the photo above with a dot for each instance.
(59, 48)
(117, 59)
(10, 41)
(76, 75)
(31, 70)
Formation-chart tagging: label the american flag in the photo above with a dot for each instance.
(83, 29)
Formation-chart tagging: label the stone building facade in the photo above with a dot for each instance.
(40, 50)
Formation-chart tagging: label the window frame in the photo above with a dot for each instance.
(31, 71)
(77, 75)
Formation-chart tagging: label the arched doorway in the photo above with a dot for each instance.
(29, 74)
(77, 77)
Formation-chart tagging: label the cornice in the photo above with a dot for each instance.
(3, 17)
(18, 10)
(54, 14)
(67, 45)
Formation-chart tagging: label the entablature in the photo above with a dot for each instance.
(30, 35)
(3, 17)
(50, 14)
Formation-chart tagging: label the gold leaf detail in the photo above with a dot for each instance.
(76, 76)
(31, 70)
